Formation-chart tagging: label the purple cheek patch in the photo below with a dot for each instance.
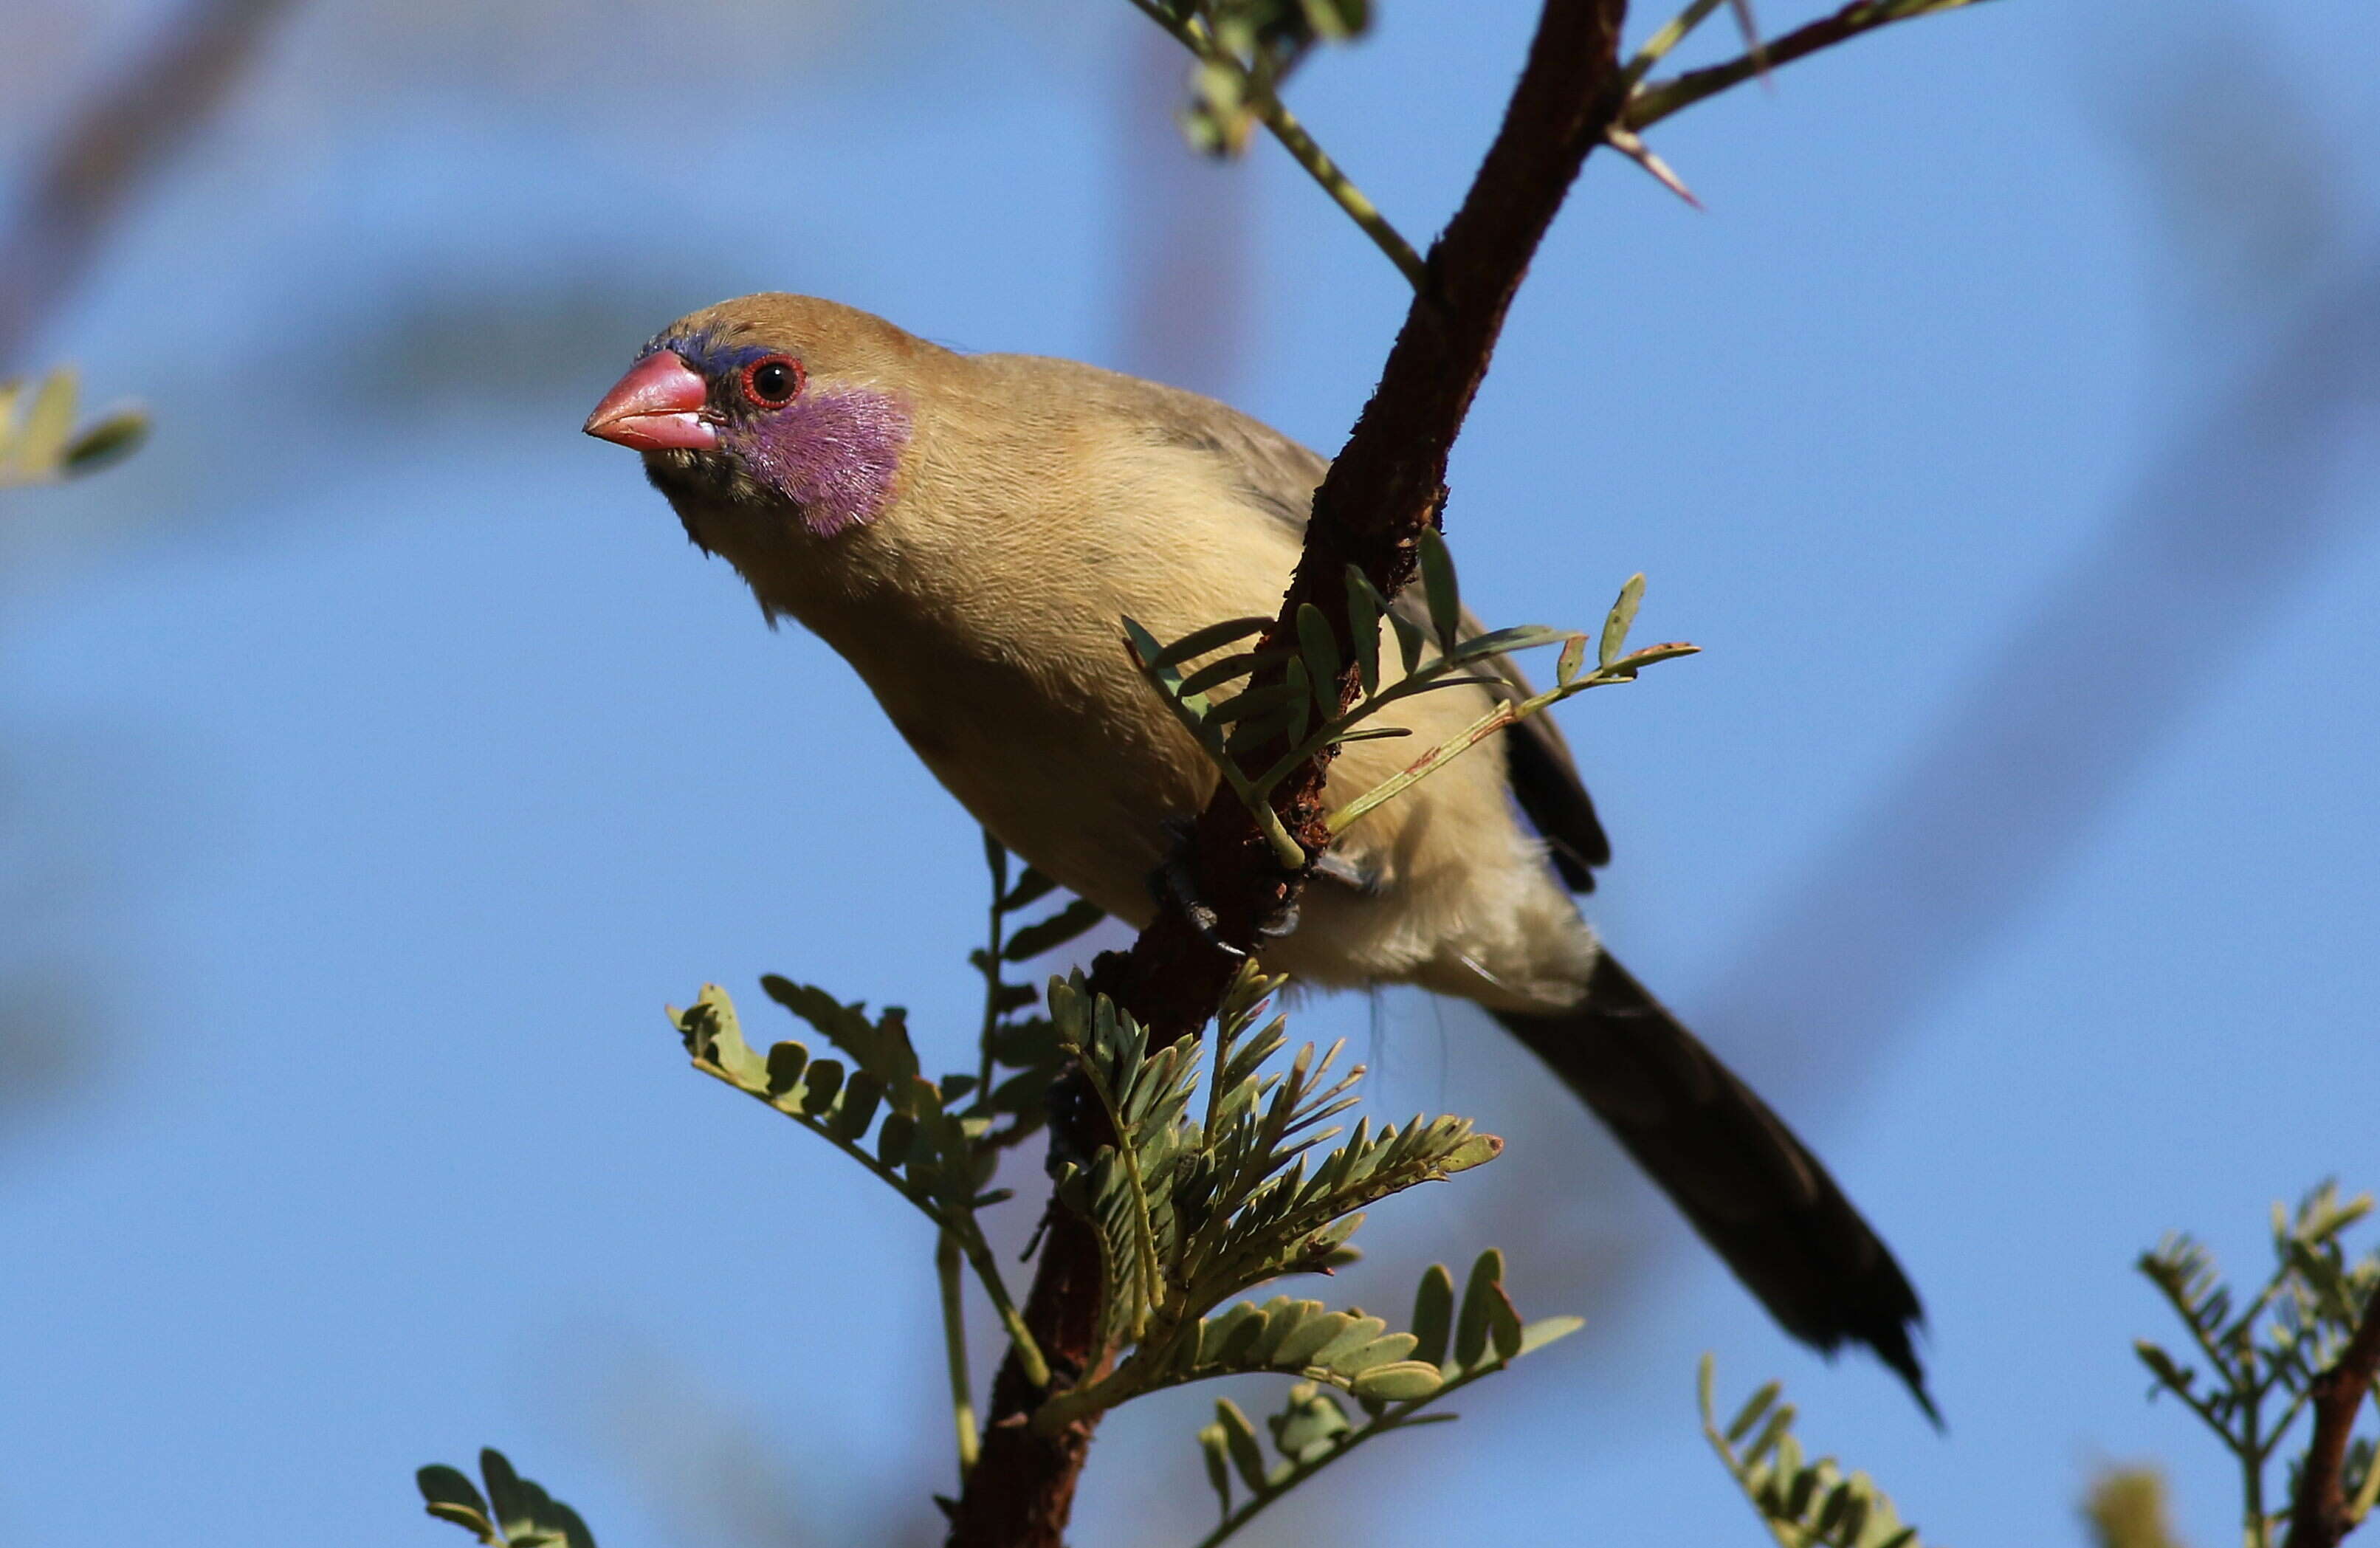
(834, 455)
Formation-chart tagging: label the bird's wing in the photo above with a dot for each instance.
(1546, 781)
(1278, 476)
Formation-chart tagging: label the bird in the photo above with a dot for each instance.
(966, 531)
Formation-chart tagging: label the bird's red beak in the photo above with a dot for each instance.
(656, 407)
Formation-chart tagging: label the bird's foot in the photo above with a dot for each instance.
(1176, 881)
(1333, 866)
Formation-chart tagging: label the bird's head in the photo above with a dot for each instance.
(768, 409)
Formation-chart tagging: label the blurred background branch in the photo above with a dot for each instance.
(110, 145)
(2048, 731)
(2032, 753)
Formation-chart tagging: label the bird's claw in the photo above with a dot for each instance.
(1175, 882)
(1332, 865)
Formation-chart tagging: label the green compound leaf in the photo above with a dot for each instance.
(922, 1150)
(35, 446)
(1314, 1428)
(1439, 588)
(1030, 888)
(1346, 1348)
(1046, 934)
(1198, 642)
(1312, 1333)
(1364, 629)
(1214, 1442)
(1229, 669)
(1240, 1442)
(2265, 1348)
(111, 439)
(1309, 1424)
(515, 1512)
(1399, 1381)
(1413, 640)
(1805, 1504)
(42, 445)
(1574, 656)
(853, 1115)
(786, 1062)
(1194, 1209)
(1756, 1407)
(451, 1496)
(1619, 620)
(1319, 652)
(1485, 1288)
(821, 1087)
(1433, 1317)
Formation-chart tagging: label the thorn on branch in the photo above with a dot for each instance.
(1748, 25)
(1633, 146)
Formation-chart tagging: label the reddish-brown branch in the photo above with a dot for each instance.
(1023, 1486)
(2318, 1517)
(1389, 482)
(1384, 487)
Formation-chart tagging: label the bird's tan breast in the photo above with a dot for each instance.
(985, 612)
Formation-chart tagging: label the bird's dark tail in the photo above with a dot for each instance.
(1754, 1192)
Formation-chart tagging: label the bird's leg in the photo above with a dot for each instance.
(1175, 879)
(1329, 866)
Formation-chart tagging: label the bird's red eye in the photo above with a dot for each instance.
(774, 383)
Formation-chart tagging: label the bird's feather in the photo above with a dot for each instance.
(1278, 475)
(1036, 502)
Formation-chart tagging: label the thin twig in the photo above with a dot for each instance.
(947, 1259)
(1276, 117)
(2322, 1514)
(1342, 189)
(2252, 1455)
(1652, 103)
(1023, 1346)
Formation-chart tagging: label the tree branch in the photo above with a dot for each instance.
(2321, 1516)
(1389, 482)
(1387, 485)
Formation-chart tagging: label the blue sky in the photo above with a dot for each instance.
(379, 758)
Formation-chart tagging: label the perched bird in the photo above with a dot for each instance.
(966, 530)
